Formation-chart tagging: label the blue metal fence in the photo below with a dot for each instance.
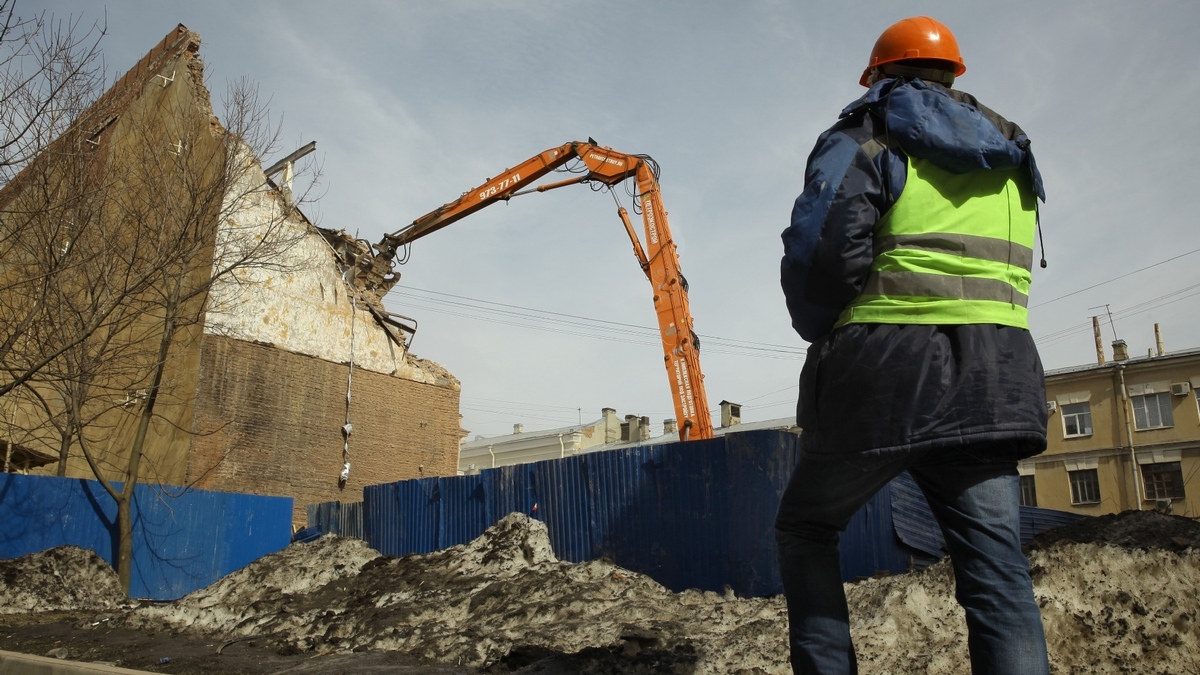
(341, 518)
(182, 539)
(916, 526)
(690, 515)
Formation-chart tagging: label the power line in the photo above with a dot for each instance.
(1133, 310)
(772, 393)
(563, 324)
(1109, 281)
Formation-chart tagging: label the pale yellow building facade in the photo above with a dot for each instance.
(1123, 435)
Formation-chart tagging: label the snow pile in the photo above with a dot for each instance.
(1118, 594)
(1109, 610)
(502, 598)
(234, 603)
(65, 578)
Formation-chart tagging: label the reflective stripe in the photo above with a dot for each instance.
(953, 249)
(917, 285)
(971, 246)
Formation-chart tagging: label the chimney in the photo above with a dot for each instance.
(628, 426)
(669, 427)
(518, 428)
(731, 414)
(612, 427)
(1120, 351)
(644, 428)
(1158, 343)
(1099, 340)
(634, 423)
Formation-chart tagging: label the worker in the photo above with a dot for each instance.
(907, 267)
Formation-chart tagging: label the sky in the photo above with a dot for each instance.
(538, 306)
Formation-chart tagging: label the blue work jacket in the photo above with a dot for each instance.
(877, 388)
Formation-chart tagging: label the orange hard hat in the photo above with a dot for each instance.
(918, 37)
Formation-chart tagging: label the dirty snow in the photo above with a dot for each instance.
(1118, 595)
(66, 578)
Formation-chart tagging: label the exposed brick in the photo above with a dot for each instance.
(269, 422)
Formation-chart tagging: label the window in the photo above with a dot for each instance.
(1077, 419)
(1152, 411)
(1085, 486)
(1163, 480)
(1028, 491)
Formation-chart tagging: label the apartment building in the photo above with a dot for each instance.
(1123, 435)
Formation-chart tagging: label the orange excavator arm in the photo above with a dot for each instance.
(658, 259)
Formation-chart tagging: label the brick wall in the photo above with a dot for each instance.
(269, 422)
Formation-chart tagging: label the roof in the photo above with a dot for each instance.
(1140, 360)
(777, 423)
(23, 458)
(529, 435)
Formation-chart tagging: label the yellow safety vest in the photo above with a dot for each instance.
(953, 249)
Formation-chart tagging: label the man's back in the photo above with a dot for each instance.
(907, 266)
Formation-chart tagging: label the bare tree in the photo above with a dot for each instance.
(183, 203)
(49, 76)
(112, 241)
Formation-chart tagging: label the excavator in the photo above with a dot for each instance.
(658, 259)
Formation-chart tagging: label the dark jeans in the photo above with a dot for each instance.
(976, 501)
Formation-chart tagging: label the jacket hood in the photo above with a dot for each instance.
(947, 127)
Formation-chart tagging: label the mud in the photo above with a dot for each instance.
(1118, 595)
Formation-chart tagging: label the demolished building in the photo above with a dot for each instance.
(294, 379)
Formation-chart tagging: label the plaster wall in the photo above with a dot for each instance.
(297, 300)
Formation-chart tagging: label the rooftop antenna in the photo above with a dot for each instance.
(1111, 324)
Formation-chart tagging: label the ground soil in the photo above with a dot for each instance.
(1118, 595)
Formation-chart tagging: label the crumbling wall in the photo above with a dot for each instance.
(300, 301)
(285, 340)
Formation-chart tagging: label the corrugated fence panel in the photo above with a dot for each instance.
(915, 524)
(1035, 521)
(623, 507)
(325, 517)
(344, 519)
(183, 539)
(869, 544)
(464, 510)
(688, 542)
(510, 489)
(562, 486)
(690, 515)
(402, 518)
(41, 512)
(758, 466)
(352, 519)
